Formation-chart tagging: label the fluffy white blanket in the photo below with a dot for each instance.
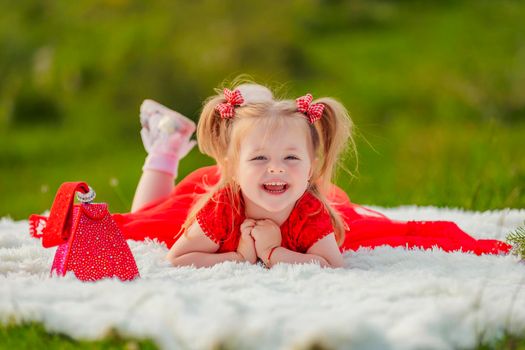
(389, 298)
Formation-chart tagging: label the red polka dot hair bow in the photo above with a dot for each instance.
(233, 99)
(313, 112)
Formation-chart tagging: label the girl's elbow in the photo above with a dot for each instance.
(169, 258)
(337, 264)
(172, 258)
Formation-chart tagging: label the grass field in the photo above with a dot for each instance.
(34, 336)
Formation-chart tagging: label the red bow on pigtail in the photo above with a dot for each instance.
(313, 112)
(233, 99)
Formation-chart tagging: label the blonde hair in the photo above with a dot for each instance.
(221, 139)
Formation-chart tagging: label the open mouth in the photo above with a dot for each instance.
(275, 187)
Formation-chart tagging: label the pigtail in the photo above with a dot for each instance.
(334, 136)
(212, 130)
(334, 130)
(212, 136)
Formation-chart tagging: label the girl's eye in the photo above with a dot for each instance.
(263, 157)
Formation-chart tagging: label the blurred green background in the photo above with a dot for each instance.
(436, 90)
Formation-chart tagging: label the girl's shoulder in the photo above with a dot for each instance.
(310, 211)
(221, 214)
(308, 222)
(310, 204)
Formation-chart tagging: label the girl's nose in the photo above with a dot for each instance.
(275, 170)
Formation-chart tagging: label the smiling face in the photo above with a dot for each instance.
(274, 166)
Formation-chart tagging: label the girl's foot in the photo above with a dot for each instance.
(166, 136)
(156, 119)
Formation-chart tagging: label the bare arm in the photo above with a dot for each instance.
(325, 251)
(328, 249)
(197, 249)
(281, 254)
(199, 259)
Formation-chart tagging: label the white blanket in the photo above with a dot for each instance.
(383, 298)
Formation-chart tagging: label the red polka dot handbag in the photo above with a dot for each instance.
(90, 243)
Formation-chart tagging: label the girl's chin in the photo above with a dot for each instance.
(275, 203)
(271, 202)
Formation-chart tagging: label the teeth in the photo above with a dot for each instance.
(275, 183)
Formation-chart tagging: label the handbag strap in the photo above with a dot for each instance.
(56, 231)
(36, 225)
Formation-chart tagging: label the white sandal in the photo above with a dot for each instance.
(156, 118)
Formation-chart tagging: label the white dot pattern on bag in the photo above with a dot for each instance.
(96, 248)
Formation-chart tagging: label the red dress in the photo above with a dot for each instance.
(308, 222)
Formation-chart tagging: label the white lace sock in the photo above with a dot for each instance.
(166, 136)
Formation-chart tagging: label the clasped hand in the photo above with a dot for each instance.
(258, 237)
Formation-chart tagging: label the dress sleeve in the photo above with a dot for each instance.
(218, 220)
(210, 219)
(317, 225)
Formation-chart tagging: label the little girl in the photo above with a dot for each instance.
(270, 195)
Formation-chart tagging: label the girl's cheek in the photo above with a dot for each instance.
(250, 168)
(298, 168)
(255, 167)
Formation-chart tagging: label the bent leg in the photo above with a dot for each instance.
(152, 185)
(166, 136)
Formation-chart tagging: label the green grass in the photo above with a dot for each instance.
(507, 342)
(34, 336)
(476, 167)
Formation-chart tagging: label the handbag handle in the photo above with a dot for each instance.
(57, 230)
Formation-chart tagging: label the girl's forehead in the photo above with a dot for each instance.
(290, 136)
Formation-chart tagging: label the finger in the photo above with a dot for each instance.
(269, 222)
(248, 223)
(262, 223)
